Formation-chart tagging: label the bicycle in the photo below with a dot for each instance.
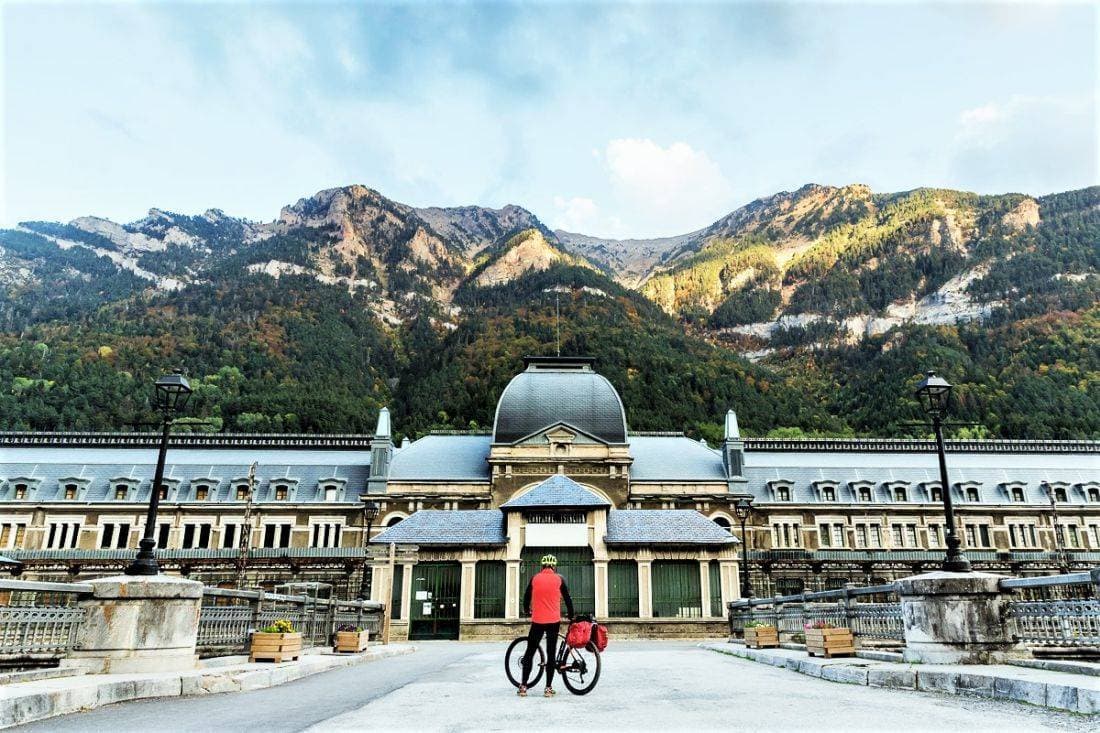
(579, 668)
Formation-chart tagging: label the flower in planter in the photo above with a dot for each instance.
(819, 625)
(282, 626)
(349, 627)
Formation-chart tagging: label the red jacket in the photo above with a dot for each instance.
(544, 596)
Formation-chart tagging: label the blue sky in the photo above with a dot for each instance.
(617, 120)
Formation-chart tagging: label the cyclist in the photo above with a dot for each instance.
(542, 601)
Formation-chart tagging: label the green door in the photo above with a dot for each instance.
(436, 588)
(574, 564)
(622, 589)
(676, 589)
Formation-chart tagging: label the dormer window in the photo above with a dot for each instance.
(121, 492)
(1018, 494)
(828, 493)
(1094, 495)
(972, 494)
(937, 493)
(1060, 495)
(20, 491)
(780, 489)
(783, 493)
(865, 493)
(900, 494)
(163, 493)
(70, 492)
(242, 492)
(201, 493)
(280, 493)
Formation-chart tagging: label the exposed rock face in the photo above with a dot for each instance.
(526, 252)
(474, 228)
(629, 260)
(1023, 216)
(123, 238)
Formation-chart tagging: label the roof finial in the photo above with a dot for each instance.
(383, 429)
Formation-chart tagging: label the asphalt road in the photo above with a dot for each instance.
(644, 686)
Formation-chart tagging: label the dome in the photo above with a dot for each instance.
(553, 390)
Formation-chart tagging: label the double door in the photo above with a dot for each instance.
(436, 589)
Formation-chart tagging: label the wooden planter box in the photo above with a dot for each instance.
(830, 643)
(275, 647)
(761, 637)
(350, 641)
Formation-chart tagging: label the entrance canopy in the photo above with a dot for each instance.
(557, 492)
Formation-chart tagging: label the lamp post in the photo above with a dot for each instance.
(370, 512)
(742, 509)
(1059, 545)
(934, 393)
(170, 395)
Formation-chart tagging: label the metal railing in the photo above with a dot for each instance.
(229, 617)
(1057, 611)
(871, 612)
(38, 621)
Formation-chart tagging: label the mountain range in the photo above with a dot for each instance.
(792, 308)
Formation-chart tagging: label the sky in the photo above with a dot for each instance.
(618, 120)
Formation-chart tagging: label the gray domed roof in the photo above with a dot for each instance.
(559, 389)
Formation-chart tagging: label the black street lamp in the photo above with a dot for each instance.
(742, 509)
(370, 513)
(934, 393)
(169, 397)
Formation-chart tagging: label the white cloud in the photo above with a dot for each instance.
(668, 189)
(576, 214)
(1030, 144)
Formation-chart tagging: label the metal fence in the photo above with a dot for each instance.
(1057, 611)
(872, 613)
(229, 617)
(39, 622)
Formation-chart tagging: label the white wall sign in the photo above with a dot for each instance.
(556, 535)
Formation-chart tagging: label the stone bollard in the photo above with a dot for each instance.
(955, 618)
(136, 623)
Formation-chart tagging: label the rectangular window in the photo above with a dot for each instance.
(838, 535)
(201, 493)
(276, 535)
(20, 530)
(280, 493)
(5, 535)
(823, 535)
(120, 493)
(242, 493)
(63, 536)
(1074, 538)
(70, 491)
(797, 536)
(1012, 539)
(910, 535)
(933, 536)
(895, 535)
(162, 536)
(829, 493)
(983, 535)
(861, 535)
(107, 538)
(229, 536)
(971, 536)
(326, 535)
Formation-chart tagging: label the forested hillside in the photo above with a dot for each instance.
(811, 313)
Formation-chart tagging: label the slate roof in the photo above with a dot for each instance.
(448, 527)
(663, 527)
(443, 458)
(540, 397)
(557, 491)
(988, 470)
(674, 458)
(187, 466)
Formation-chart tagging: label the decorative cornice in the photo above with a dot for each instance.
(352, 441)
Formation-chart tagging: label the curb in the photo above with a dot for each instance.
(38, 700)
(1065, 691)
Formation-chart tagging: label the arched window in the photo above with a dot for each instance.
(394, 520)
(722, 522)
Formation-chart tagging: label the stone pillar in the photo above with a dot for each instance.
(466, 602)
(406, 590)
(645, 589)
(730, 572)
(512, 593)
(379, 582)
(955, 618)
(704, 587)
(600, 577)
(135, 624)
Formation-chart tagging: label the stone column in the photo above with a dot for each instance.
(512, 593)
(466, 602)
(600, 577)
(955, 618)
(135, 624)
(704, 587)
(645, 590)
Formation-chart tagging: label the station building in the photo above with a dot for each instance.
(640, 522)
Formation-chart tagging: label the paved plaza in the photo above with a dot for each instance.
(450, 686)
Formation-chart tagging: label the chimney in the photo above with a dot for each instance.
(381, 451)
(733, 455)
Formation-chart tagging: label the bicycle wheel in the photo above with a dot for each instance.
(513, 662)
(582, 669)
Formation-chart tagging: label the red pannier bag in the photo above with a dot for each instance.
(599, 636)
(580, 632)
